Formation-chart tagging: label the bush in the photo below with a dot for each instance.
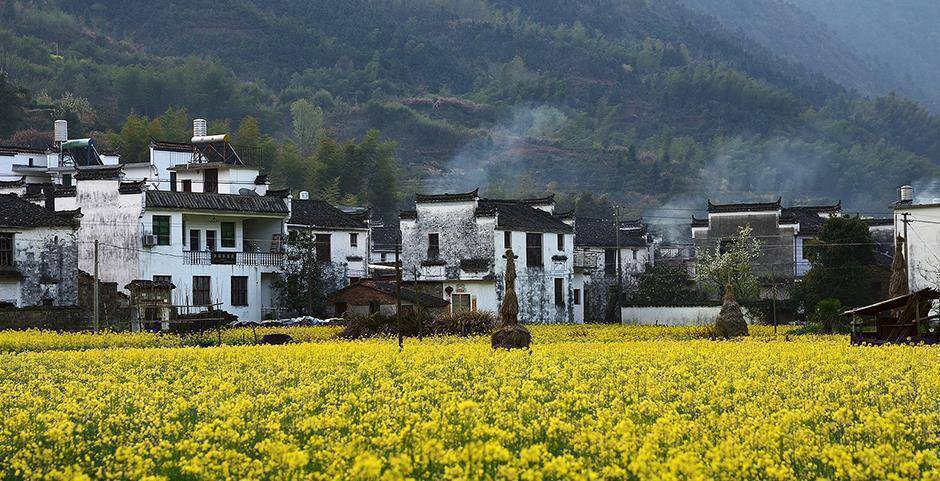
(377, 325)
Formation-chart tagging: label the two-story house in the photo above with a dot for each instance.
(601, 252)
(341, 239)
(457, 243)
(56, 163)
(38, 254)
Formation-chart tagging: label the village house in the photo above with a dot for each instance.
(597, 261)
(38, 254)
(55, 164)
(919, 223)
(456, 244)
(220, 250)
(341, 240)
(367, 297)
(786, 235)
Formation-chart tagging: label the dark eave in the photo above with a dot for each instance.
(744, 207)
(201, 201)
(447, 197)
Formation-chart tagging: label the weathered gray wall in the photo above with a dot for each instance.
(48, 260)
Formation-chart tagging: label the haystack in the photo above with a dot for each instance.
(898, 284)
(510, 334)
(730, 322)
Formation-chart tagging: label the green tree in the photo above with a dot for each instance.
(134, 140)
(383, 185)
(730, 263)
(665, 285)
(13, 101)
(307, 123)
(290, 171)
(299, 287)
(176, 127)
(839, 264)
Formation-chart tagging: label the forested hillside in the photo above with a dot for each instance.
(649, 103)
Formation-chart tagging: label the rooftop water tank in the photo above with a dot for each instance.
(906, 194)
(199, 127)
(61, 131)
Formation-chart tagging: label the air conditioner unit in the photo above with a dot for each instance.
(150, 240)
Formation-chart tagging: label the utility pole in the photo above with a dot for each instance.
(773, 291)
(398, 293)
(418, 314)
(619, 263)
(97, 281)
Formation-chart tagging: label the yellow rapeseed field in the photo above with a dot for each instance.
(597, 403)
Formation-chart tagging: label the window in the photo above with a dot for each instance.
(239, 290)
(30, 163)
(561, 241)
(634, 253)
(6, 249)
(434, 246)
(228, 234)
(210, 240)
(163, 279)
(559, 291)
(67, 180)
(533, 250)
(383, 257)
(460, 303)
(194, 240)
(507, 240)
(210, 181)
(183, 233)
(187, 185)
(610, 262)
(201, 295)
(322, 242)
(354, 240)
(172, 181)
(161, 229)
(577, 297)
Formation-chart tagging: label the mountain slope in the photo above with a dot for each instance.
(647, 101)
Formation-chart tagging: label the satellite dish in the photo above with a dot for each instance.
(247, 192)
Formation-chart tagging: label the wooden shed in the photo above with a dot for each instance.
(903, 319)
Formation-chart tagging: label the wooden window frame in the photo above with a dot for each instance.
(226, 241)
(239, 292)
(202, 295)
(163, 232)
(531, 259)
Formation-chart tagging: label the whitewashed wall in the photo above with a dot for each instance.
(670, 316)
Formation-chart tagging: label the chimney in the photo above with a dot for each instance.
(304, 195)
(48, 191)
(906, 194)
(199, 127)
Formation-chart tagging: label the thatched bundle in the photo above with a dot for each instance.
(898, 285)
(510, 334)
(730, 322)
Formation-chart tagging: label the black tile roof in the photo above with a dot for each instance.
(384, 237)
(808, 216)
(17, 212)
(744, 207)
(520, 216)
(388, 289)
(159, 199)
(319, 213)
(13, 183)
(447, 197)
(591, 232)
(475, 265)
(131, 187)
(21, 149)
(101, 172)
(696, 222)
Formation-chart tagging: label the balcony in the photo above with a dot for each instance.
(585, 260)
(208, 258)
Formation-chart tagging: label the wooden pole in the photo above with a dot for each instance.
(617, 316)
(418, 313)
(398, 294)
(97, 281)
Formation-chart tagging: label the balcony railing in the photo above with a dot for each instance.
(208, 258)
(586, 260)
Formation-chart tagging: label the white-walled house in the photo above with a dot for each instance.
(342, 240)
(216, 249)
(50, 164)
(457, 242)
(923, 239)
(597, 259)
(38, 254)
